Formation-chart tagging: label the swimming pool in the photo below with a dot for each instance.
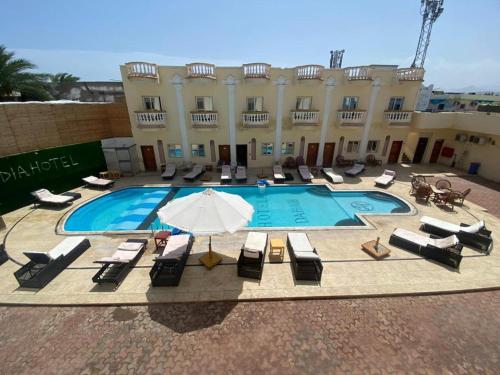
(275, 207)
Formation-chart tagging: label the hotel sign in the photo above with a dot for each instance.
(34, 167)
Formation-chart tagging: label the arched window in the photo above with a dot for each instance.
(302, 146)
(386, 145)
(253, 149)
(341, 146)
(213, 157)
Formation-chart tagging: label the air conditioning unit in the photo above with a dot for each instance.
(461, 138)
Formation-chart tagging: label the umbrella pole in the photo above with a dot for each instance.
(211, 259)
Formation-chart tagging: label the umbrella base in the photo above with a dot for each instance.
(210, 260)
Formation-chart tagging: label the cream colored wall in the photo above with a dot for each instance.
(136, 88)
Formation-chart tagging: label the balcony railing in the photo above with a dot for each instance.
(358, 73)
(398, 117)
(151, 120)
(202, 119)
(255, 119)
(200, 70)
(351, 117)
(257, 70)
(142, 70)
(309, 71)
(410, 74)
(305, 117)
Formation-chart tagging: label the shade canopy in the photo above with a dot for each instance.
(206, 213)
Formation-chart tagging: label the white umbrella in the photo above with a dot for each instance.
(206, 213)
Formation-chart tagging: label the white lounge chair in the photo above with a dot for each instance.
(279, 176)
(169, 173)
(475, 235)
(196, 172)
(43, 196)
(304, 173)
(226, 175)
(386, 178)
(252, 255)
(332, 176)
(356, 169)
(306, 263)
(241, 174)
(101, 183)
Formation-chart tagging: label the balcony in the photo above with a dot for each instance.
(255, 119)
(410, 74)
(204, 120)
(398, 117)
(142, 70)
(151, 120)
(351, 118)
(310, 118)
(358, 73)
(256, 70)
(200, 70)
(309, 72)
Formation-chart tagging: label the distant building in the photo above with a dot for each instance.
(424, 98)
(460, 102)
(111, 92)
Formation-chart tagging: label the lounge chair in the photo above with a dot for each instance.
(331, 176)
(306, 263)
(169, 266)
(45, 197)
(423, 192)
(356, 169)
(279, 176)
(475, 235)
(44, 267)
(241, 174)
(341, 162)
(100, 183)
(304, 173)
(444, 250)
(252, 255)
(169, 172)
(116, 267)
(196, 172)
(386, 178)
(226, 175)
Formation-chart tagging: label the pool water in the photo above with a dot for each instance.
(275, 206)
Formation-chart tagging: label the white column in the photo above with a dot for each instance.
(369, 118)
(230, 83)
(281, 82)
(178, 83)
(329, 87)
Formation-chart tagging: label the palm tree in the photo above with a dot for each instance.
(15, 76)
(56, 81)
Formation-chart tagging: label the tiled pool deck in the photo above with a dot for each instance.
(348, 271)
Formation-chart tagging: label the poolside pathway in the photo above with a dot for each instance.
(454, 334)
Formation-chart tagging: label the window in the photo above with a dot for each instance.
(267, 149)
(396, 103)
(353, 146)
(198, 151)
(440, 107)
(372, 146)
(204, 103)
(151, 103)
(174, 151)
(303, 103)
(350, 103)
(287, 148)
(255, 103)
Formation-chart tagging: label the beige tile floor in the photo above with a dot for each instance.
(348, 271)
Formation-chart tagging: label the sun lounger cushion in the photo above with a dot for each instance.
(301, 247)
(197, 169)
(66, 246)
(130, 246)
(305, 173)
(474, 228)
(126, 252)
(169, 170)
(335, 178)
(92, 180)
(38, 257)
(226, 172)
(424, 241)
(449, 227)
(254, 244)
(241, 173)
(176, 246)
(355, 170)
(278, 172)
(46, 196)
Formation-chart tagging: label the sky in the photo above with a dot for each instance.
(92, 38)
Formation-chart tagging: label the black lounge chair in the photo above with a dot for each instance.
(304, 173)
(169, 172)
(279, 176)
(46, 198)
(252, 255)
(195, 173)
(444, 250)
(44, 267)
(306, 263)
(475, 235)
(169, 266)
(116, 267)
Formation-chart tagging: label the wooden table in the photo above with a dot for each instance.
(161, 238)
(104, 174)
(378, 252)
(277, 245)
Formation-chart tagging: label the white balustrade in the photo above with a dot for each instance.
(351, 117)
(309, 71)
(410, 74)
(357, 73)
(200, 70)
(204, 119)
(305, 117)
(151, 120)
(257, 70)
(255, 119)
(398, 116)
(142, 70)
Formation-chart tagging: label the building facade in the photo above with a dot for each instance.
(460, 102)
(257, 115)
